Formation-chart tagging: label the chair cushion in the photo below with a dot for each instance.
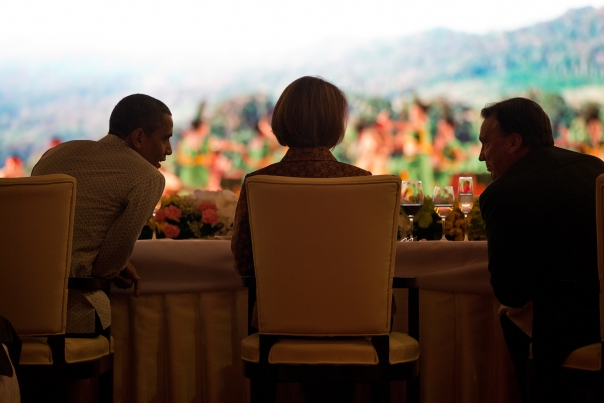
(330, 351)
(587, 358)
(403, 348)
(36, 351)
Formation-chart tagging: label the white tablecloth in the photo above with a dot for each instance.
(179, 341)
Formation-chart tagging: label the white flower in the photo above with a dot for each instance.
(205, 195)
(228, 213)
(225, 199)
(226, 204)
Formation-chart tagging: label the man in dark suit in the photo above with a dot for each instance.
(541, 230)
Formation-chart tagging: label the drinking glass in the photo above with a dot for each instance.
(412, 199)
(465, 194)
(443, 200)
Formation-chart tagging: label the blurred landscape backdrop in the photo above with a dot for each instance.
(414, 100)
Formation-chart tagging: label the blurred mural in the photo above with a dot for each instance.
(414, 102)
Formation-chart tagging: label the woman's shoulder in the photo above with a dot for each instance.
(352, 170)
(272, 169)
(326, 169)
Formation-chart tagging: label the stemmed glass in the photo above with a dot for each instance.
(465, 193)
(443, 200)
(412, 199)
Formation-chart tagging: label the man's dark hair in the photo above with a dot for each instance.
(137, 111)
(522, 116)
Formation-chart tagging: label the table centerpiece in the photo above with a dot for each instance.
(201, 215)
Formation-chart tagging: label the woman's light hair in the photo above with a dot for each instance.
(310, 112)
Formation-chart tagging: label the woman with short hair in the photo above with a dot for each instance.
(309, 118)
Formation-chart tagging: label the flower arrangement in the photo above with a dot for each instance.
(427, 224)
(476, 225)
(204, 214)
(455, 225)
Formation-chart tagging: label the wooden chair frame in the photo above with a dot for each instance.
(60, 373)
(265, 376)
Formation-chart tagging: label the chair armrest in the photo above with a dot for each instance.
(89, 283)
(248, 281)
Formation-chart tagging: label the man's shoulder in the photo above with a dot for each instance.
(538, 171)
(70, 146)
(114, 153)
(95, 158)
(561, 155)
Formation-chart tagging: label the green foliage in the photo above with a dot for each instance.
(426, 223)
(476, 225)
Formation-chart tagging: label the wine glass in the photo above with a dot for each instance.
(465, 193)
(412, 199)
(443, 200)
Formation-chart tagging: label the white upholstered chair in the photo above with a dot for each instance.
(37, 219)
(324, 253)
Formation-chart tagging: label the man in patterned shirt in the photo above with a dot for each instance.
(117, 188)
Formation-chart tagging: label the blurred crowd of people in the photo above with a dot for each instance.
(411, 138)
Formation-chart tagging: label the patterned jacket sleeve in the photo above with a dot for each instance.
(119, 242)
(241, 243)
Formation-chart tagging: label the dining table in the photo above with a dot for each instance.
(179, 341)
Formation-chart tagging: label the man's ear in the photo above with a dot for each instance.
(136, 138)
(515, 142)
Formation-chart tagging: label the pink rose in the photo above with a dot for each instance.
(172, 213)
(171, 231)
(209, 216)
(160, 216)
(206, 205)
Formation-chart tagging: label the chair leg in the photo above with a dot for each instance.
(380, 392)
(263, 391)
(106, 387)
(255, 391)
(60, 388)
(413, 390)
(51, 389)
(527, 394)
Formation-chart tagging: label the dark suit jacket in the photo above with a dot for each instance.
(541, 231)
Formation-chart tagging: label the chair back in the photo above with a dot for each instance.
(37, 225)
(600, 226)
(324, 253)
